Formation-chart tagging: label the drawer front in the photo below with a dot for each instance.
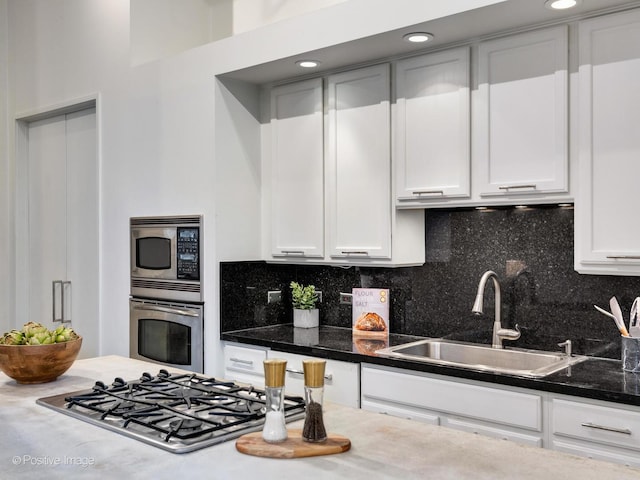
(521, 438)
(409, 413)
(450, 396)
(244, 364)
(341, 383)
(595, 423)
(597, 453)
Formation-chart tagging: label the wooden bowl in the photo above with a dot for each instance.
(38, 363)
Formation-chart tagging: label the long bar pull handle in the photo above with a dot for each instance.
(354, 252)
(513, 187)
(54, 317)
(174, 311)
(624, 431)
(293, 252)
(240, 360)
(327, 376)
(66, 285)
(428, 192)
(628, 257)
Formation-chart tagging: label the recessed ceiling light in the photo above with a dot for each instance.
(561, 4)
(417, 37)
(308, 63)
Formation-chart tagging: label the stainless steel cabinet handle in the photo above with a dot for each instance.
(67, 285)
(327, 376)
(512, 187)
(428, 192)
(54, 284)
(624, 431)
(354, 252)
(175, 311)
(628, 257)
(240, 360)
(293, 252)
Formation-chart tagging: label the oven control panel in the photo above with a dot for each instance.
(188, 253)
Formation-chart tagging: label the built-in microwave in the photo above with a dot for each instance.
(166, 257)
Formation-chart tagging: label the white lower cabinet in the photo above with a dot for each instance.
(464, 405)
(596, 430)
(244, 364)
(341, 379)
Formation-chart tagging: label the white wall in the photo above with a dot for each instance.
(172, 139)
(6, 205)
(250, 14)
(160, 28)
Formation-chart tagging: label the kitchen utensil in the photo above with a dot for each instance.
(634, 322)
(616, 310)
(620, 325)
(293, 447)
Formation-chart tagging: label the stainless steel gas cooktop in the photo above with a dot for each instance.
(177, 412)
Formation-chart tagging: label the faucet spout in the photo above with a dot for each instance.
(499, 333)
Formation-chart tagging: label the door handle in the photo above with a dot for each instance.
(54, 284)
(66, 285)
(173, 311)
(59, 286)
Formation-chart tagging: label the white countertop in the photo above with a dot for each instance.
(37, 442)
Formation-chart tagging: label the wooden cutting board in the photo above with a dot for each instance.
(292, 447)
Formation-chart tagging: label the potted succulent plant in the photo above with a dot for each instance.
(304, 298)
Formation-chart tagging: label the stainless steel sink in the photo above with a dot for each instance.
(528, 363)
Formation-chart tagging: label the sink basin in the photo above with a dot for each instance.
(528, 363)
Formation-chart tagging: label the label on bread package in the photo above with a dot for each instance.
(371, 312)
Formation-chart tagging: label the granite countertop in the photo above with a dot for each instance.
(596, 378)
(38, 442)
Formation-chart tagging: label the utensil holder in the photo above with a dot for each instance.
(631, 354)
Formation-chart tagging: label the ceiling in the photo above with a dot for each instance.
(465, 27)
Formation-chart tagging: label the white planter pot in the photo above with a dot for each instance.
(306, 318)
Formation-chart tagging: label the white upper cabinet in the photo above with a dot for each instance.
(297, 170)
(359, 164)
(327, 175)
(607, 205)
(520, 127)
(432, 142)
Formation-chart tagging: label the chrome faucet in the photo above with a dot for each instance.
(499, 333)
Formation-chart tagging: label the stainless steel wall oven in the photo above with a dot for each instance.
(166, 310)
(168, 333)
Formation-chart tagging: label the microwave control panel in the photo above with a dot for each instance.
(188, 253)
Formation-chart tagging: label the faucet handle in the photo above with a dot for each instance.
(567, 347)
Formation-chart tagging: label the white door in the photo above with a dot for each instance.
(62, 236)
(297, 170)
(359, 164)
(607, 229)
(520, 119)
(433, 127)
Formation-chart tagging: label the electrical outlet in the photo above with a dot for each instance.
(346, 298)
(274, 296)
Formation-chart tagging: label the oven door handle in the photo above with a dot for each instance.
(174, 311)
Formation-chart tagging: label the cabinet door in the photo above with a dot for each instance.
(244, 364)
(606, 209)
(359, 164)
(297, 170)
(433, 127)
(341, 379)
(520, 120)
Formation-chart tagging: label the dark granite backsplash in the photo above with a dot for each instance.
(530, 249)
